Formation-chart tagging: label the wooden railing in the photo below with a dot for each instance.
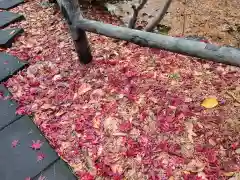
(78, 25)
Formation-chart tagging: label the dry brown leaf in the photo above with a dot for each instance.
(187, 150)
(238, 151)
(110, 124)
(195, 166)
(212, 142)
(117, 168)
(48, 106)
(235, 94)
(229, 174)
(60, 113)
(189, 129)
(77, 167)
(84, 88)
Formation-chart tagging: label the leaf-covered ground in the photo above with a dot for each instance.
(134, 113)
(218, 20)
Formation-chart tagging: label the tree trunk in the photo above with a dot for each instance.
(225, 55)
(159, 17)
(72, 13)
(133, 19)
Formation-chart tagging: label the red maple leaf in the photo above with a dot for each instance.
(86, 176)
(14, 143)
(234, 145)
(1, 95)
(38, 58)
(125, 127)
(34, 84)
(40, 156)
(21, 111)
(36, 145)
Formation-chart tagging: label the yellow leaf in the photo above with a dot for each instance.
(229, 174)
(186, 172)
(210, 103)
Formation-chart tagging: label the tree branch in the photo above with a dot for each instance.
(158, 18)
(133, 19)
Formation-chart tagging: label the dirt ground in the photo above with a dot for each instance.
(217, 20)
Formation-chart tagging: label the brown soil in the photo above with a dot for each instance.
(218, 20)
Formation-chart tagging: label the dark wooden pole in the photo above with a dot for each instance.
(72, 13)
(220, 54)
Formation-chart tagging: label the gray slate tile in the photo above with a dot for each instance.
(7, 108)
(7, 36)
(20, 162)
(7, 4)
(58, 171)
(9, 65)
(7, 18)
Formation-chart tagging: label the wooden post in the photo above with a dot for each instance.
(72, 13)
(81, 44)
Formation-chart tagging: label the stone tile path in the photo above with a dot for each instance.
(25, 153)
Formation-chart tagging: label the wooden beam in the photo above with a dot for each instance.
(220, 54)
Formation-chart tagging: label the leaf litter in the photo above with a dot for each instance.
(122, 117)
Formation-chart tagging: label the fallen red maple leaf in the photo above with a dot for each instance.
(34, 83)
(21, 111)
(38, 58)
(1, 95)
(36, 145)
(234, 145)
(15, 143)
(86, 176)
(40, 156)
(125, 127)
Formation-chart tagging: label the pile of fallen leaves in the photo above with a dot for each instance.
(134, 113)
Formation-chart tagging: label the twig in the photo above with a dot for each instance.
(133, 19)
(233, 96)
(159, 17)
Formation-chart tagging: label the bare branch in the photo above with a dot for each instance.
(133, 19)
(159, 17)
